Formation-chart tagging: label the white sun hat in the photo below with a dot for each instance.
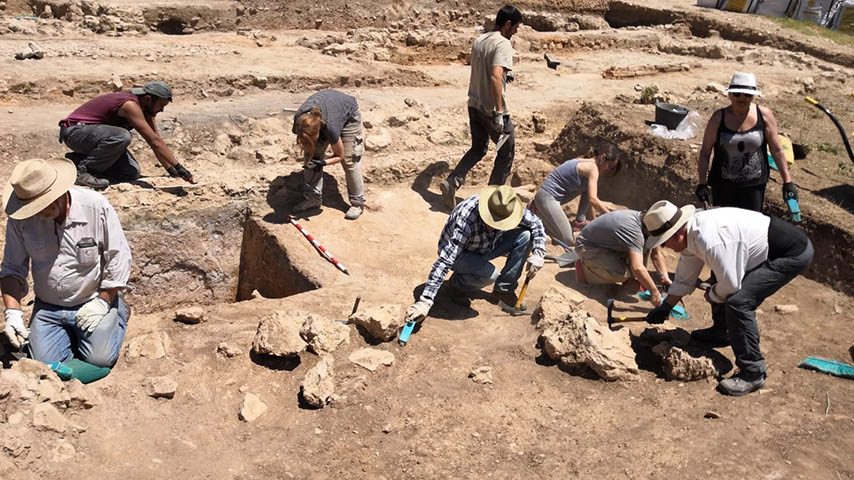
(743, 83)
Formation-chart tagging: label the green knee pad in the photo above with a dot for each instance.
(74, 368)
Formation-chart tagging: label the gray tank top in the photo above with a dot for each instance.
(740, 157)
(565, 183)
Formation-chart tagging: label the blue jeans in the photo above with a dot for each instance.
(54, 336)
(473, 271)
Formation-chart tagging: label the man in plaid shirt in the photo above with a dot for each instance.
(485, 226)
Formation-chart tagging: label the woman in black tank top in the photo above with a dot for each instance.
(740, 136)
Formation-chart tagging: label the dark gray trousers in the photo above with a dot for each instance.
(105, 150)
(481, 132)
(739, 311)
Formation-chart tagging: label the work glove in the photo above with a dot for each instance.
(418, 310)
(316, 164)
(509, 77)
(91, 314)
(789, 192)
(15, 327)
(535, 263)
(498, 121)
(703, 193)
(178, 170)
(659, 314)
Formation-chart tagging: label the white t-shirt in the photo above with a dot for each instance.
(489, 50)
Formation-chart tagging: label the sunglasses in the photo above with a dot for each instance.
(740, 94)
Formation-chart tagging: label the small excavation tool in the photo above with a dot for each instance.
(612, 320)
(405, 332)
(567, 258)
(551, 61)
(518, 309)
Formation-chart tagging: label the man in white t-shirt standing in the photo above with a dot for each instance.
(491, 70)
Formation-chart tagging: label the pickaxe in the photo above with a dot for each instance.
(612, 320)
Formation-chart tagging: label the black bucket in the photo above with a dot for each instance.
(669, 115)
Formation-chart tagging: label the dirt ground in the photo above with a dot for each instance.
(238, 67)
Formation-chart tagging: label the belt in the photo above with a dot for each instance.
(67, 123)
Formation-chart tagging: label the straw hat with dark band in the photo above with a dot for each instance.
(35, 184)
(663, 220)
(500, 208)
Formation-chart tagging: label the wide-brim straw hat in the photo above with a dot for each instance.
(500, 208)
(663, 219)
(743, 83)
(35, 184)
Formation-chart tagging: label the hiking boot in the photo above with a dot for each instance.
(712, 336)
(307, 204)
(741, 384)
(449, 194)
(509, 298)
(578, 225)
(86, 179)
(354, 212)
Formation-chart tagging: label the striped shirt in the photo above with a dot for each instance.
(465, 231)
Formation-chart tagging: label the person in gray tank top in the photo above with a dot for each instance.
(579, 176)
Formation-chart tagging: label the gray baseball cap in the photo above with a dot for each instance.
(158, 89)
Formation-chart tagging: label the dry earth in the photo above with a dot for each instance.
(237, 67)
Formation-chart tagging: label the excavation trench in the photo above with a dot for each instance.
(217, 255)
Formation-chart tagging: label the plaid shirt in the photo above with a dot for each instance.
(465, 231)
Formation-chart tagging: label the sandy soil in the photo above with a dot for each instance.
(423, 417)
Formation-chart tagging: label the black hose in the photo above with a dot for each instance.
(835, 121)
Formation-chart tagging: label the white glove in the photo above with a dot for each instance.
(91, 314)
(15, 326)
(418, 310)
(498, 122)
(535, 263)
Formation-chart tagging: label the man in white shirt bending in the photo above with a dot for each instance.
(750, 255)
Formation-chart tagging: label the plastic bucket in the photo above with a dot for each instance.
(669, 115)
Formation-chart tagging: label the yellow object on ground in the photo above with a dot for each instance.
(786, 143)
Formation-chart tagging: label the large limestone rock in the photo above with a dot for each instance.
(161, 387)
(318, 386)
(149, 345)
(278, 334)
(323, 335)
(681, 365)
(555, 303)
(574, 338)
(381, 322)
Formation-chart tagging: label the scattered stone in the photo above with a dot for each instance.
(63, 451)
(33, 51)
(542, 146)
(378, 140)
(323, 335)
(152, 346)
(715, 87)
(371, 358)
(809, 85)
(657, 334)
(191, 315)
(576, 339)
(81, 396)
(252, 408)
(540, 122)
(317, 386)
(259, 81)
(712, 414)
(785, 309)
(387, 428)
(47, 417)
(115, 83)
(381, 322)
(680, 365)
(441, 137)
(278, 334)
(228, 350)
(410, 102)
(482, 375)
(397, 120)
(271, 154)
(160, 387)
(555, 304)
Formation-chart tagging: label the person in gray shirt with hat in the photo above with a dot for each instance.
(72, 243)
(98, 132)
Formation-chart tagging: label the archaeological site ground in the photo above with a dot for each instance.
(475, 393)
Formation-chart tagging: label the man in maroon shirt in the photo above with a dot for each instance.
(99, 133)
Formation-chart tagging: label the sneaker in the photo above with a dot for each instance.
(307, 204)
(712, 336)
(86, 179)
(741, 384)
(449, 194)
(354, 212)
(578, 226)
